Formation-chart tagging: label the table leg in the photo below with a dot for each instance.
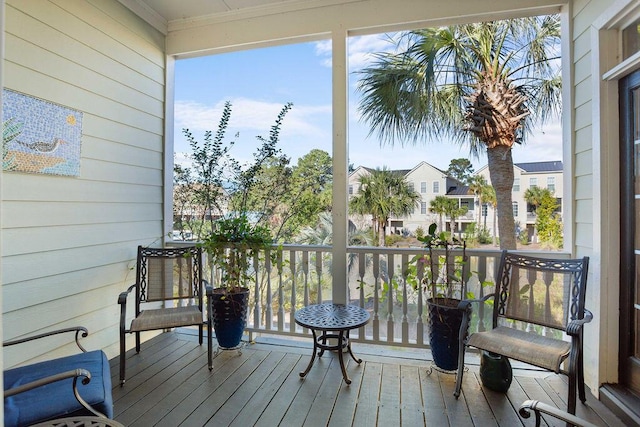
(313, 355)
(341, 337)
(358, 361)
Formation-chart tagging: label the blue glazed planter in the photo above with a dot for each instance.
(444, 329)
(230, 316)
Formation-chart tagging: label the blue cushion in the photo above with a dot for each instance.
(56, 400)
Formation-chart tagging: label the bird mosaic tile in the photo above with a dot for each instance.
(40, 136)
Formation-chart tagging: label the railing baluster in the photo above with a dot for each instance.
(280, 292)
(256, 292)
(482, 277)
(376, 297)
(390, 278)
(319, 274)
(361, 272)
(292, 313)
(269, 300)
(405, 296)
(420, 290)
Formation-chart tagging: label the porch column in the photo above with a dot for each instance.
(340, 159)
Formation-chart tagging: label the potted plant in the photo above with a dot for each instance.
(237, 229)
(445, 282)
(231, 247)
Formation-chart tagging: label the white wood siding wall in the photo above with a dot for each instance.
(69, 244)
(592, 128)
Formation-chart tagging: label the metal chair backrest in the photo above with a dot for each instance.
(539, 291)
(165, 274)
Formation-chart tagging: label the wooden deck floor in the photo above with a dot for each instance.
(168, 384)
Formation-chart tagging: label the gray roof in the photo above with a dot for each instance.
(554, 166)
(461, 190)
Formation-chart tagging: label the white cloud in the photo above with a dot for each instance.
(304, 127)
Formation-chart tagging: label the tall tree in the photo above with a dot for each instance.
(384, 193)
(438, 206)
(477, 185)
(490, 199)
(484, 84)
(461, 169)
(535, 195)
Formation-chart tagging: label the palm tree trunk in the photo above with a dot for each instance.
(382, 229)
(500, 164)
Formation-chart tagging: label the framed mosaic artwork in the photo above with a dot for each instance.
(39, 136)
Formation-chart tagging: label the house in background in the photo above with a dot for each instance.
(67, 245)
(431, 182)
(547, 175)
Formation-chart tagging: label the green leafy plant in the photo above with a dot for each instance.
(232, 246)
(237, 236)
(446, 272)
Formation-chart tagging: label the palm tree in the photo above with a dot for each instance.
(535, 195)
(383, 194)
(439, 206)
(484, 84)
(477, 184)
(454, 211)
(490, 199)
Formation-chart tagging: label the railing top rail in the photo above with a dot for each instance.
(475, 252)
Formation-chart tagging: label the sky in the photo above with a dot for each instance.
(259, 82)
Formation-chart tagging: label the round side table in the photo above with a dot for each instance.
(336, 318)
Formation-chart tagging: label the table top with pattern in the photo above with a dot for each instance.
(332, 317)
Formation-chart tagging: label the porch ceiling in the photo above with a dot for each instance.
(162, 13)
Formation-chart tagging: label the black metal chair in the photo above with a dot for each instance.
(77, 385)
(168, 294)
(536, 303)
(540, 408)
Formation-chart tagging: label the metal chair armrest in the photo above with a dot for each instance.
(575, 326)
(79, 330)
(464, 304)
(208, 288)
(538, 407)
(75, 374)
(122, 298)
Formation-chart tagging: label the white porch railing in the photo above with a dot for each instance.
(380, 280)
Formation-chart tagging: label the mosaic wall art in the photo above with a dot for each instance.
(39, 136)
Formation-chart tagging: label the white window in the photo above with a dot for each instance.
(411, 186)
(516, 184)
(423, 208)
(551, 183)
(423, 187)
(515, 209)
(351, 189)
(436, 186)
(533, 182)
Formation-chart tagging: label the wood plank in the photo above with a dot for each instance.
(170, 386)
(347, 399)
(265, 394)
(245, 392)
(411, 409)
(366, 413)
(435, 411)
(457, 409)
(322, 406)
(297, 412)
(479, 408)
(226, 365)
(284, 397)
(212, 404)
(389, 406)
